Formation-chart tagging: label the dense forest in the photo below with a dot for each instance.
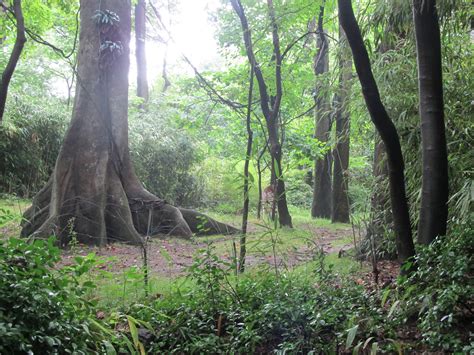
(236, 176)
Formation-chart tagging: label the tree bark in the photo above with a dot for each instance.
(140, 40)
(380, 172)
(270, 112)
(94, 194)
(321, 204)
(340, 198)
(385, 128)
(14, 56)
(259, 179)
(248, 153)
(379, 204)
(435, 185)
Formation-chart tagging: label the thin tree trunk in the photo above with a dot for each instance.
(321, 204)
(435, 185)
(14, 56)
(340, 198)
(259, 177)
(386, 128)
(270, 112)
(248, 153)
(140, 40)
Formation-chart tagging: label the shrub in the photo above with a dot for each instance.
(299, 192)
(439, 294)
(260, 312)
(165, 159)
(30, 139)
(43, 311)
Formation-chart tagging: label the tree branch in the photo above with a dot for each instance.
(264, 98)
(292, 44)
(234, 105)
(14, 56)
(276, 50)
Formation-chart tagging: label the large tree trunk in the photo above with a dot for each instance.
(14, 56)
(140, 40)
(321, 204)
(340, 198)
(385, 128)
(435, 188)
(93, 193)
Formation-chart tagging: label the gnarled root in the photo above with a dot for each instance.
(119, 219)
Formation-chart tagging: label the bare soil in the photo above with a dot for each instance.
(170, 257)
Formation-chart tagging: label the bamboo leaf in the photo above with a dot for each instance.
(133, 330)
(351, 333)
(109, 349)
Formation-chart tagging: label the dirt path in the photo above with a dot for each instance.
(171, 257)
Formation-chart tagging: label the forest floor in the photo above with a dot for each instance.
(276, 248)
(171, 257)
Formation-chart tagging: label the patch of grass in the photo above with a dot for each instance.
(14, 204)
(302, 216)
(11, 211)
(262, 243)
(127, 288)
(230, 218)
(339, 265)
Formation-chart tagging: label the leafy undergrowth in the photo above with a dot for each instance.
(320, 309)
(314, 308)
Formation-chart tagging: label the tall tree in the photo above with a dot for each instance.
(140, 40)
(321, 204)
(386, 129)
(340, 199)
(94, 193)
(270, 105)
(15, 54)
(435, 187)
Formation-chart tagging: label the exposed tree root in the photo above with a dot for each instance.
(153, 217)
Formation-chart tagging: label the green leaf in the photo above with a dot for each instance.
(351, 333)
(392, 309)
(385, 296)
(133, 330)
(277, 169)
(375, 347)
(166, 255)
(356, 349)
(109, 349)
